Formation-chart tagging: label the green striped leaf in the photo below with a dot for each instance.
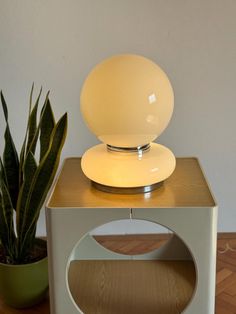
(3, 172)
(33, 179)
(46, 128)
(23, 148)
(30, 167)
(32, 201)
(32, 127)
(4, 106)
(36, 135)
(7, 233)
(10, 159)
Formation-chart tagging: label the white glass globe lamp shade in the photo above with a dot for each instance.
(127, 101)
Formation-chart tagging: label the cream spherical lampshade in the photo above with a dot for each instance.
(127, 101)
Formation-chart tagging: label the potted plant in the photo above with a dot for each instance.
(25, 180)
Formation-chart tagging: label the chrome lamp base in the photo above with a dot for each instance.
(124, 190)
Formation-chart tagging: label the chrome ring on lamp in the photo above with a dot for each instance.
(140, 149)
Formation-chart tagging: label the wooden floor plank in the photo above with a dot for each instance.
(227, 303)
(227, 282)
(222, 308)
(231, 290)
(222, 275)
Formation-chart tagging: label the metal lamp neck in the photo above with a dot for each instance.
(139, 149)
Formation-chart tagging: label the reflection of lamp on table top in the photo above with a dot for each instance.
(127, 101)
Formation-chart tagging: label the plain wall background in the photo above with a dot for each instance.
(56, 43)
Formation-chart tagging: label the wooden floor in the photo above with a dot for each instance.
(226, 270)
(226, 274)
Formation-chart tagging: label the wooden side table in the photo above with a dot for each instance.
(105, 282)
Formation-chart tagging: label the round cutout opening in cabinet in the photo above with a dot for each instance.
(132, 236)
(118, 274)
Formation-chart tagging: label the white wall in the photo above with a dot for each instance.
(56, 43)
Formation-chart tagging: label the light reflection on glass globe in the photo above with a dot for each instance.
(127, 101)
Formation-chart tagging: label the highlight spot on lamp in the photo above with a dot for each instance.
(127, 102)
(152, 98)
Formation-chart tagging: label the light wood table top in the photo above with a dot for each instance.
(186, 187)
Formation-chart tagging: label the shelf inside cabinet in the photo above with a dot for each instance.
(131, 286)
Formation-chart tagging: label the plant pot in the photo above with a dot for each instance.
(24, 285)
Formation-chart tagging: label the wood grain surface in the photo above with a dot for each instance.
(131, 286)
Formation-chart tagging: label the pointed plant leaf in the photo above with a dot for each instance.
(45, 104)
(21, 163)
(11, 166)
(32, 126)
(33, 140)
(46, 128)
(30, 167)
(42, 181)
(10, 159)
(3, 172)
(7, 233)
(3, 225)
(31, 96)
(22, 153)
(4, 107)
(23, 148)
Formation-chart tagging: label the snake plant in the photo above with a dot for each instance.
(26, 178)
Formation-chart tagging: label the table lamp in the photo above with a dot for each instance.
(127, 101)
